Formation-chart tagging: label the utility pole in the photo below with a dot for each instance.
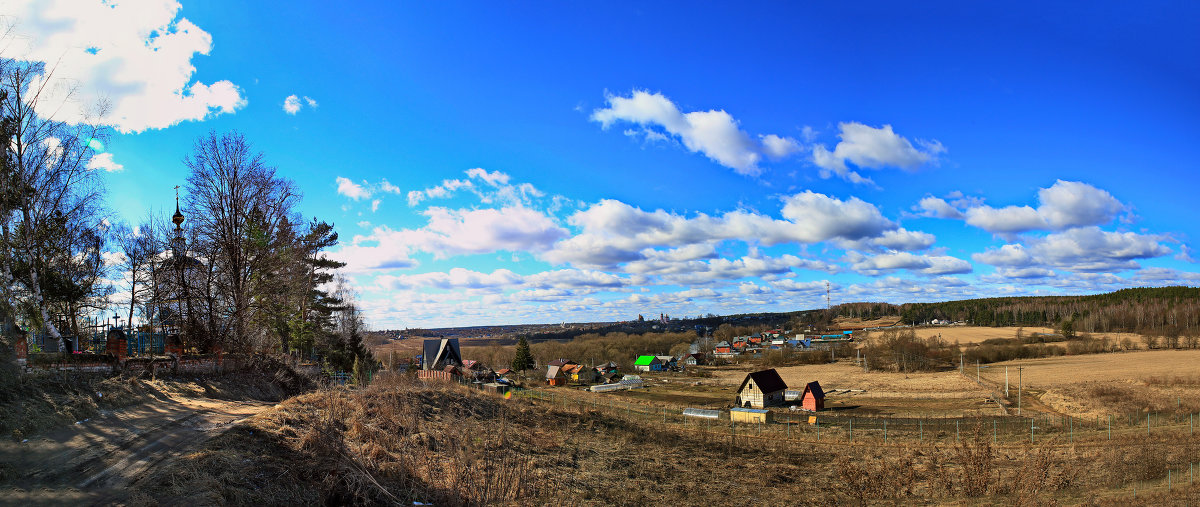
(1005, 381)
(1020, 384)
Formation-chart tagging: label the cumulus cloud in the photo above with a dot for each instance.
(104, 161)
(1004, 220)
(1069, 204)
(938, 208)
(1083, 249)
(614, 232)
(1064, 205)
(353, 190)
(489, 187)
(134, 56)
(924, 264)
(291, 105)
(452, 232)
(872, 148)
(716, 134)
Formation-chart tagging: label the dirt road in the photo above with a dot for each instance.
(91, 461)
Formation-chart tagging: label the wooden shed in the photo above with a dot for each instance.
(813, 397)
(749, 415)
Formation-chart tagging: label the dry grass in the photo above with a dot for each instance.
(404, 442)
(1136, 366)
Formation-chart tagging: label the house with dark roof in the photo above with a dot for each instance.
(437, 354)
(761, 389)
(693, 359)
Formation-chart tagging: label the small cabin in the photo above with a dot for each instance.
(813, 397)
(761, 389)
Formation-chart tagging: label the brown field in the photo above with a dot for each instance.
(1104, 384)
(882, 393)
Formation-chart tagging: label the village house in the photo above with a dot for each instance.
(607, 368)
(668, 363)
(437, 354)
(647, 363)
(723, 347)
(579, 373)
(555, 376)
(693, 359)
(761, 389)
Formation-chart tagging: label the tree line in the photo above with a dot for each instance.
(237, 268)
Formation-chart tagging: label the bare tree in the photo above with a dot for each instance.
(236, 204)
(137, 248)
(50, 201)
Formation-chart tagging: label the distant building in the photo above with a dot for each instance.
(694, 359)
(555, 376)
(441, 353)
(761, 389)
(647, 363)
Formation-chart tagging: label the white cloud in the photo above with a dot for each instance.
(1064, 205)
(614, 232)
(1012, 255)
(105, 161)
(452, 232)
(1083, 249)
(939, 208)
(1090, 249)
(494, 178)
(351, 189)
(895, 239)
(923, 264)
(1069, 204)
(714, 133)
(780, 147)
(291, 105)
(872, 148)
(456, 278)
(1009, 219)
(135, 56)
(375, 205)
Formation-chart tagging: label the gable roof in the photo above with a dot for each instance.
(553, 371)
(814, 387)
(768, 381)
(560, 362)
(645, 360)
(440, 350)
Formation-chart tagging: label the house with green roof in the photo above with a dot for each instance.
(647, 363)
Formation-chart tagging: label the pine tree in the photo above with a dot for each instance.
(524, 358)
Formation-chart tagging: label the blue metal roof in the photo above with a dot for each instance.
(751, 410)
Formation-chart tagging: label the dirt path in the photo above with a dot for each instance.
(92, 460)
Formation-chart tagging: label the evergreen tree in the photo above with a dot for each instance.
(524, 358)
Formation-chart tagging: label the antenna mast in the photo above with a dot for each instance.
(827, 295)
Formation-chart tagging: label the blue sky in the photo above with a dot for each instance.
(543, 162)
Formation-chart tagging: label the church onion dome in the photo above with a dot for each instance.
(177, 218)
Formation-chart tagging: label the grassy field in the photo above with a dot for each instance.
(401, 442)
